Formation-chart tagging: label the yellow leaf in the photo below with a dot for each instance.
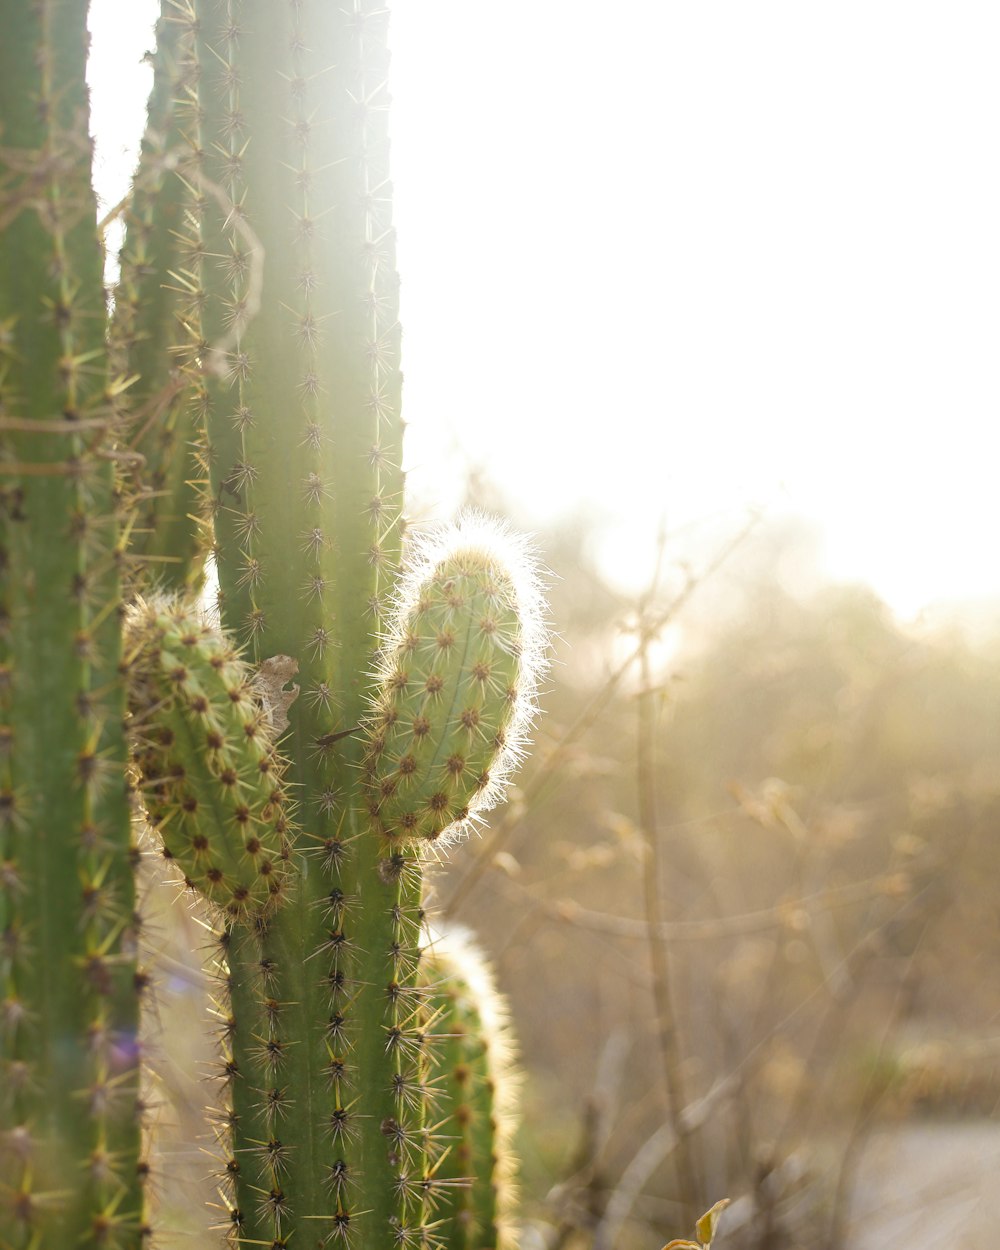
(705, 1228)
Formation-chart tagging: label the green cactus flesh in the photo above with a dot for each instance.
(326, 1131)
(304, 437)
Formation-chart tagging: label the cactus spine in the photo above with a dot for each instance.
(257, 309)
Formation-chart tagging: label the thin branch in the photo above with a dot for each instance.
(664, 1005)
(580, 1199)
(650, 1156)
(569, 911)
(659, 1146)
(874, 1091)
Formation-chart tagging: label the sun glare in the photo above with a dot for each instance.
(689, 260)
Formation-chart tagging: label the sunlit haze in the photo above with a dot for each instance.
(672, 260)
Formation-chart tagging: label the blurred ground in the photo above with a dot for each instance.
(929, 1186)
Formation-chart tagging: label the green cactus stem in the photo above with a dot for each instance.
(70, 1163)
(475, 1086)
(204, 743)
(288, 163)
(387, 1073)
(451, 709)
(155, 335)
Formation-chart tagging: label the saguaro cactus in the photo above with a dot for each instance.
(257, 313)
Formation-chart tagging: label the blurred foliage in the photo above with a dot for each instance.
(828, 798)
(828, 792)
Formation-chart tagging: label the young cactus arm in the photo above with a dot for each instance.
(212, 779)
(70, 1165)
(457, 675)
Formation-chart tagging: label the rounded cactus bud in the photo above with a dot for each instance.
(204, 745)
(457, 676)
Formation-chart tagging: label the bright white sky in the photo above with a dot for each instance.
(670, 258)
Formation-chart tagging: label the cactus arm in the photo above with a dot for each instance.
(454, 675)
(378, 1034)
(70, 1145)
(205, 747)
(476, 1086)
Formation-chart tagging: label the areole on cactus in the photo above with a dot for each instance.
(246, 398)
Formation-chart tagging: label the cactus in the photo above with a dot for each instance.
(154, 338)
(473, 1069)
(204, 745)
(363, 1131)
(70, 1162)
(248, 390)
(450, 709)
